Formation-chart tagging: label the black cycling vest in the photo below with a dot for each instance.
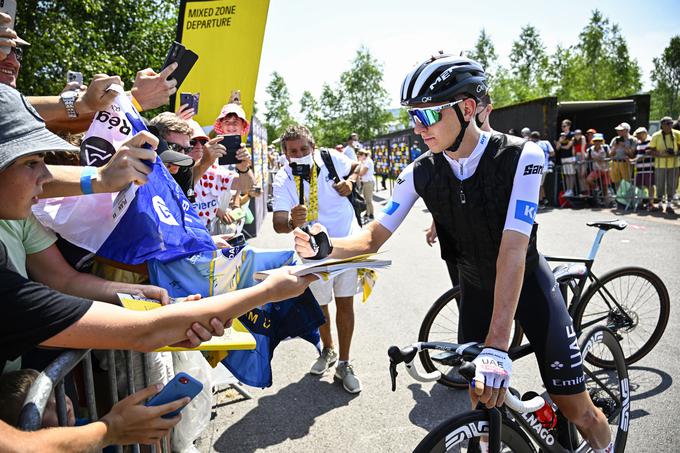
(470, 215)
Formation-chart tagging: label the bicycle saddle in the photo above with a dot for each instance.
(609, 224)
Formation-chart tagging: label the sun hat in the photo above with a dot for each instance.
(22, 129)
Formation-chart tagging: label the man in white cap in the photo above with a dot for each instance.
(665, 147)
(622, 148)
(644, 166)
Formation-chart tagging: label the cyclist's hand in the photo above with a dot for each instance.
(492, 376)
(303, 245)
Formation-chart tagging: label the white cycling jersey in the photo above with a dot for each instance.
(523, 199)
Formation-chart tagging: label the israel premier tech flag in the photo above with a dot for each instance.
(150, 222)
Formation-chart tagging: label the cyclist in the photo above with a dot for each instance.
(482, 189)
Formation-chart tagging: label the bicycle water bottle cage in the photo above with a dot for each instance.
(320, 243)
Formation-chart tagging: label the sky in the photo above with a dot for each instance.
(310, 42)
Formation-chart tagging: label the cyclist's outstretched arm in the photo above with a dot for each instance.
(370, 239)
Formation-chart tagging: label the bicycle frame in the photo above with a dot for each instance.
(578, 290)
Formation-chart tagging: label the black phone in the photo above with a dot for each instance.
(185, 59)
(190, 99)
(232, 143)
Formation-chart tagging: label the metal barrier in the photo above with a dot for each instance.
(632, 183)
(52, 379)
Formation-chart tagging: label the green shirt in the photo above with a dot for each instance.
(24, 237)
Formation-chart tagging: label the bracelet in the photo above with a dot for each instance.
(243, 172)
(136, 103)
(86, 177)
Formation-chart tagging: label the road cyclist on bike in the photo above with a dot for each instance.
(482, 190)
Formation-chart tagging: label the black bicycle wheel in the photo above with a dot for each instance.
(441, 324)
(461, 434)
(631, 301)
(608, 387)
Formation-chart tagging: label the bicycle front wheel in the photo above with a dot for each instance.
(462, 432)
(441, 324)
(608, 387)
(633, 303)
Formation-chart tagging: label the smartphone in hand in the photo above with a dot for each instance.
(232, 143)
(190, 99)
(182, 385)
(74, 76)
(184, 58)
(8, 7)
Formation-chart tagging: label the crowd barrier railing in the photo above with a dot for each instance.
(52, 380)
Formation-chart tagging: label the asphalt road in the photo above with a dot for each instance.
(303, 413)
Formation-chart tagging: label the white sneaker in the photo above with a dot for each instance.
(327, 359)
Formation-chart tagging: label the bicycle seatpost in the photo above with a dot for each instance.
(596, 243)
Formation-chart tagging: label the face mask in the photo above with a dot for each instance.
(306, 160)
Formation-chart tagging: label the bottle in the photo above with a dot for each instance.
(546, 414)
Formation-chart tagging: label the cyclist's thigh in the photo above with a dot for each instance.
(476, 307)
(543, 315)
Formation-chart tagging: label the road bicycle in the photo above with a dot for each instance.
(528, 424)
(632, 302)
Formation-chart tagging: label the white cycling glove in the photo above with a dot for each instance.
(493, 367)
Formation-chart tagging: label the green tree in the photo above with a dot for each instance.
(600, 66)
(333, 125)
(484, 52)
(309, 108)
(91, 36)
(666, 78)
(277, 117)
(529, 65)
(365, 98)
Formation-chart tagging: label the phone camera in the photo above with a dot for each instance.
(183, 380)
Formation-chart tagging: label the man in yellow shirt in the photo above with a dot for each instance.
(664, 147)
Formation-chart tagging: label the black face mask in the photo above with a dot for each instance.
(478, 121)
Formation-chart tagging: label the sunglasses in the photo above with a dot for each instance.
(179, 148)
(194, 141)
(18, 53)
(428, 116)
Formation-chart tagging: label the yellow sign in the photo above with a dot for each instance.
(227, 35)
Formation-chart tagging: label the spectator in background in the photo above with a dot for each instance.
(644, 166)
(664, 147)
(548, 152)
(579, 150)
(589, 137)
(566, 128)
(366, 172)
(526, 133)
(599, 175)
(565, 157)
(622, 148)
(325, 202)
(352, 146)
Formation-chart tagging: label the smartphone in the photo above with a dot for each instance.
(73, 76)
(185, 59)
(190, 99)
(232, 143)
(182, 385)
(8, 7)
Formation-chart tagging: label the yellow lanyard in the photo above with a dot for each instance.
(312, 201)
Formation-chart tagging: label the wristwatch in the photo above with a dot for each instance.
(69, 99)
(244, 171)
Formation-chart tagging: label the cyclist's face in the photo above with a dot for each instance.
(442, 134)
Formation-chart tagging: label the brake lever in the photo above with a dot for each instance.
(393, 375)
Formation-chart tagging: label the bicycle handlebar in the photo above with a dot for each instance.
(467, 370)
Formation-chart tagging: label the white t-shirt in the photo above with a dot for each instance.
(349, 152)
(282, 160)
(369, 176)
(335, 212)
(523, 199)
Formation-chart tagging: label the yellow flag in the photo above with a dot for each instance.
(227, 36)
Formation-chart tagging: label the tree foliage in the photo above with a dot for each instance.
(666, 78)
(484, 52)
(278, 116)
(357, 103)
(91, 36)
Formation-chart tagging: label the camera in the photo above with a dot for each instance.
(301, 170)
